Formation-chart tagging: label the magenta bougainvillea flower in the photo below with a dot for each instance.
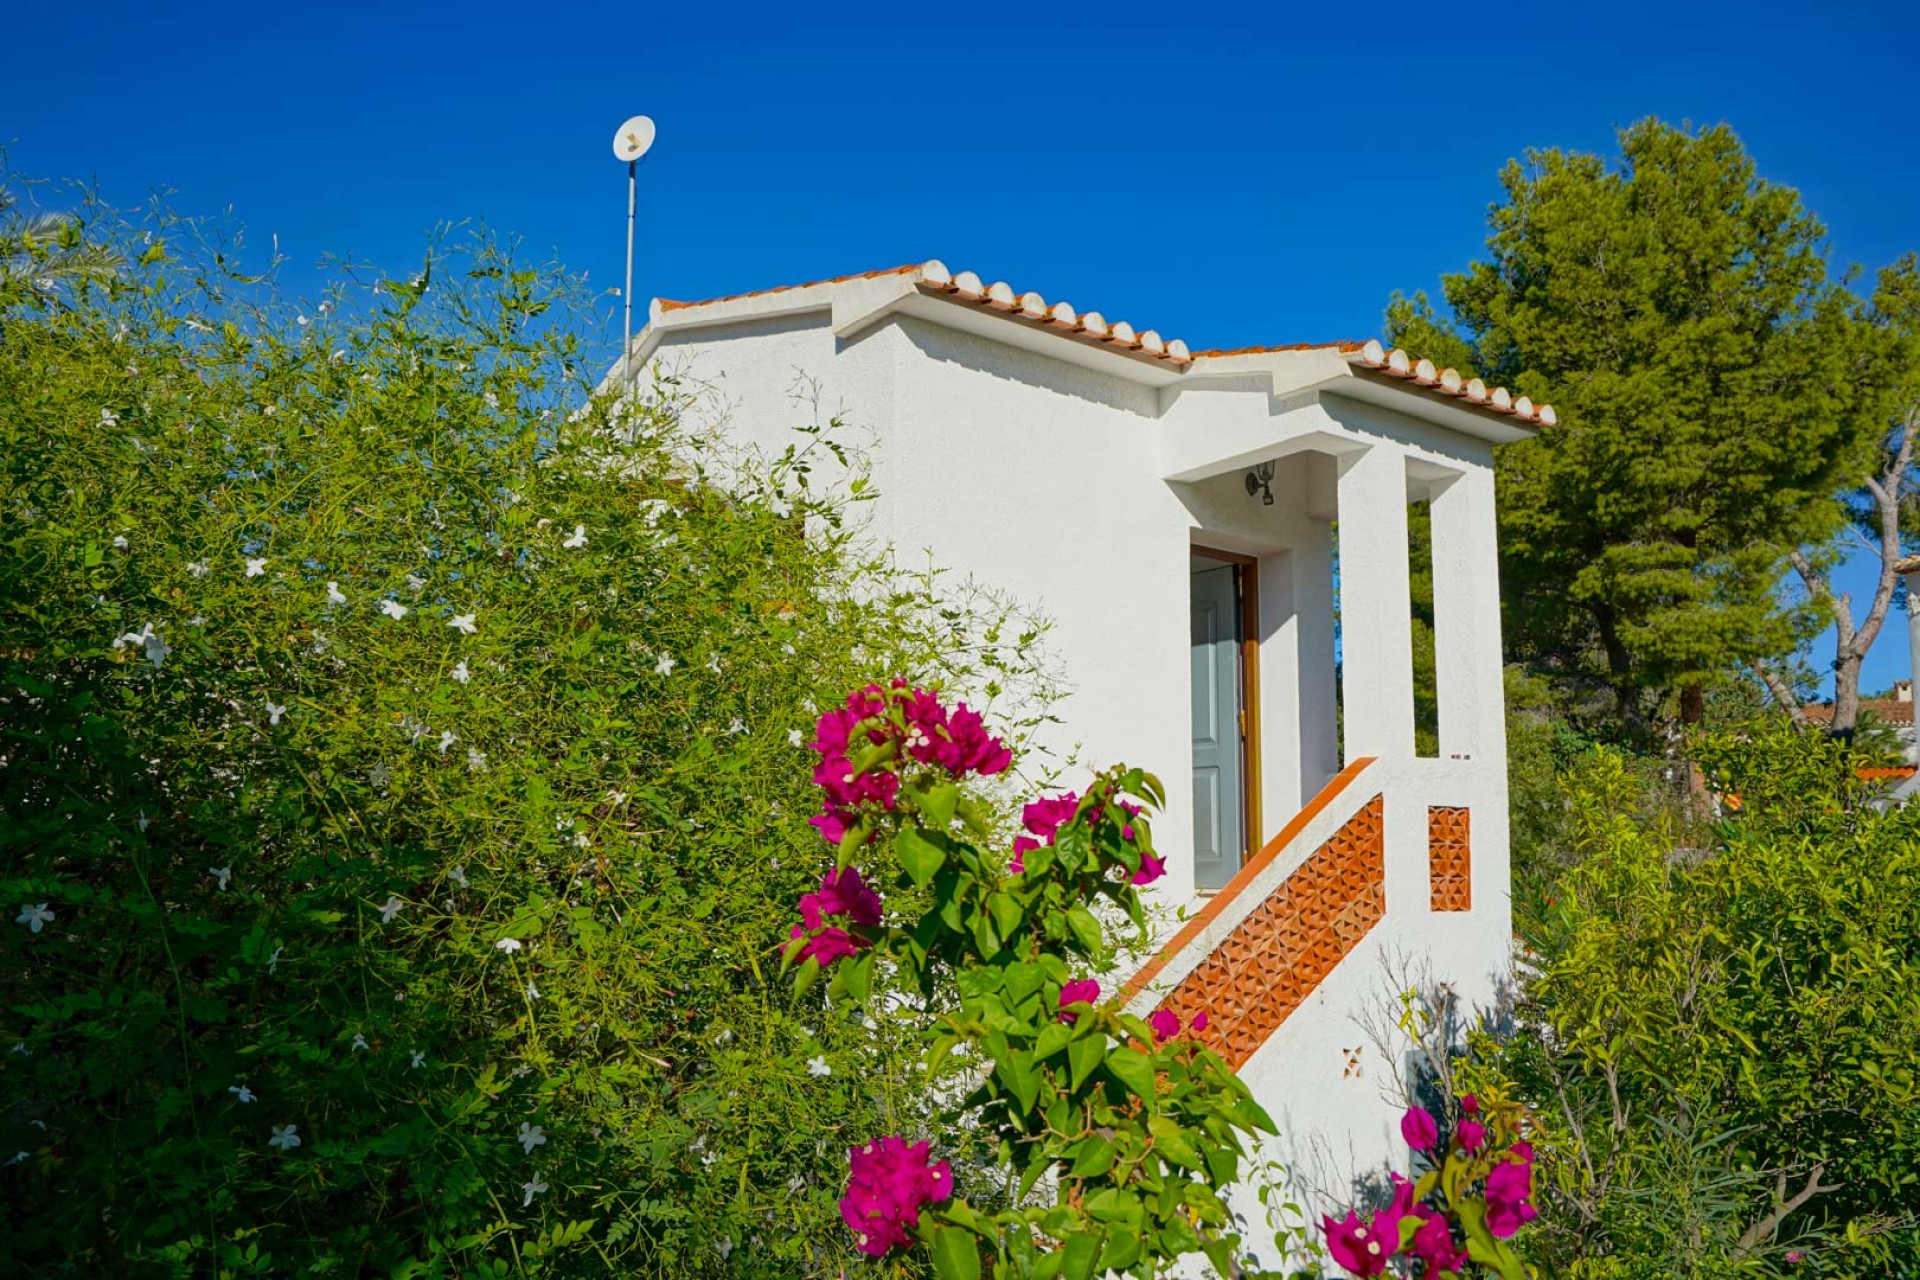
(1048, 814)
(1165, 1024)
(1151, 868)
(888, 1183)
(1509, 1189)
(1419, 1129)
(845, 896)
(1364, 1247)
(1199, 1022)
(953, 740)
(1080, 990)
(1434, 1245)
(1354, 1245)
(825, 945)
(842, 893)
(1472, 1135)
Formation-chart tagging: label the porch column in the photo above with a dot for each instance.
(1376, 627)
(1466, 615)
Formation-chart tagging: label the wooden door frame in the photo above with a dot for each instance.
(1246, 579)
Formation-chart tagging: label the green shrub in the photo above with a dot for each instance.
(407, 748)
(1719, 1038)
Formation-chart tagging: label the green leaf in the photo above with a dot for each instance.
(938, 804)
(1133, 1069)
(1023, 980)
(1171, 1141)
(956, 1254)
(1007, 913)
(919, 856)
(1079, 1254)
(1084, 1055)
(1093, 1155)
(1085, 928)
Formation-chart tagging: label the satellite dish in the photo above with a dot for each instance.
(633, 139)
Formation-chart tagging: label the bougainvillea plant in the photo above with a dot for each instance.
(1118, 1135)
(1457, 1217)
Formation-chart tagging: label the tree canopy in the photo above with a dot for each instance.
(1677, 310)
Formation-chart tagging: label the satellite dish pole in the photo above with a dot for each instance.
(629, 144)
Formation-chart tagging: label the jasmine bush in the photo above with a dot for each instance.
(403, 787)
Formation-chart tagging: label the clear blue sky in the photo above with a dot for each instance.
(1224, 177)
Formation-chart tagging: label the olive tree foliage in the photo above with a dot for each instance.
(402, 784)
(1677, 310)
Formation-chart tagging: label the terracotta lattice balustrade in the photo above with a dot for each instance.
(1285, 947)
(1449, 858)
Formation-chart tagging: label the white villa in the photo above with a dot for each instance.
(1179, 516)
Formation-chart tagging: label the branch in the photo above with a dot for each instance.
(1782, 694)
(1765, 1228)
(1817, 588)
(1886, 504)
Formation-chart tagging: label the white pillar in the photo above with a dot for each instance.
(1376, 610)
(1298, 690)
(1466, 615)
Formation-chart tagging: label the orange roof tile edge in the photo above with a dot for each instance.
(1874, 773)
(1094, 328)
(1244, 877)
(669, 304)
(1343, 345)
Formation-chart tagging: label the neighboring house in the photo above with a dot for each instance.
(1895, 713)
(1175, 513)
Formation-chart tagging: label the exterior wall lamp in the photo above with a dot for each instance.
(1260, 481)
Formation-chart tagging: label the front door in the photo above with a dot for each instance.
(1219, 763)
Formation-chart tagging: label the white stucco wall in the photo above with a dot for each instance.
(1081, 491)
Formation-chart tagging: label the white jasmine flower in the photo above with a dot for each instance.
(447, 738)
(533, 1187)
(144, 821)
(199, 568)
(531, 1136)
(533, 991)
(508, 945)
(149, 639)
(285, 1137)
(580, 839)
(724, 1248)
(419, 1060)
(461, 673)
(476, 761)
(664, 666)
(459, 876)
(737, 725)
(416, 582)
(379, 774)
(120, 540)
(108, 418)
(34, 917)
(796, 1183)
(256, 566)
(578, 540)
(359, 1042)
(616, 798)
(713, 663)
(273, 961)
(781, 507)
(334, 594)
(796, 738)
(302, 321)
(221, 874)
(271, 409)
(817, 1066)
(393, 609)
(274, 711)
(390, 908)
(243, 1093)
(463, 623)
(198, 620)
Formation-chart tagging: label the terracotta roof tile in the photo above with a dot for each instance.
(1886, 710)
(932, 276)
